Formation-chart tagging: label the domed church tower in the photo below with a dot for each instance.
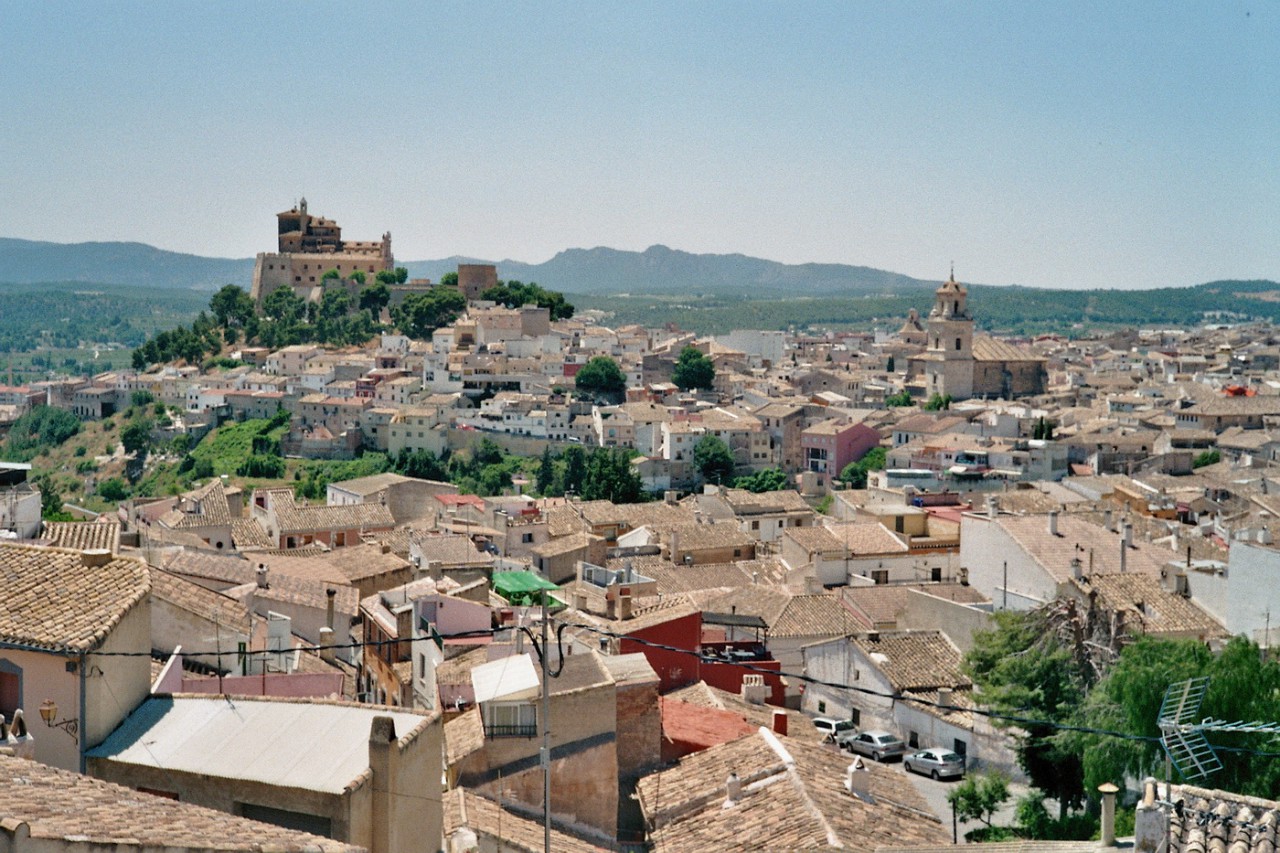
(949, 352)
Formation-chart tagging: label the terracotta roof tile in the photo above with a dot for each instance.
(487, 819)
(84, 535)
(793, 797)
(80, 811)
(55, 599)
(914, 660)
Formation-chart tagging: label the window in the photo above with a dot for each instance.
(880, 576)
(957, 343)
(855, 716)
(526, 538)
(10, 688)
(510, 719)
(961, 748)
(913, 740)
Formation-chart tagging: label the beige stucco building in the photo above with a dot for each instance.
(76, 630)
(355, 773)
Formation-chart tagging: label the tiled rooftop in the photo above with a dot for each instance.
(83, 535)
(54, 598)
(487, 819)
(914, 660)
(793, 798)
(69, 809)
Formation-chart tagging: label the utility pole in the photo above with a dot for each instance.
(546, 734)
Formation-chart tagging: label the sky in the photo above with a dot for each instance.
(1071, 144)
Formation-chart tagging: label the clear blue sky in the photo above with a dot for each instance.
(1131, 144)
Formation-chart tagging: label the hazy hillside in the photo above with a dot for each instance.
(658, 269)
(29, 261)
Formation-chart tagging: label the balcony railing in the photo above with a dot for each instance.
(530, 730)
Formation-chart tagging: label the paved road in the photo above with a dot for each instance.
(935, 794)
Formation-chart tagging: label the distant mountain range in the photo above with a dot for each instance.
(658, 269)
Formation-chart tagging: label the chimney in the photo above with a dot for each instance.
(386, 548)
(383, 757)
(330, 594)
(1106, 520)
(669, 497)
(1127, 532)
(1077, 570)
(993, 508)
(857, 781)
(944, 695)
(1108, 792)
(1053, 522)
(1124, 549)
(732, 790)
(262, 576)
(95, 557)
(327, 652)
(779, 721)
(1151, 823)
(754, 690)
(624, 607)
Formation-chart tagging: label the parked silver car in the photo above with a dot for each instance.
(877, 745)
(938, 763)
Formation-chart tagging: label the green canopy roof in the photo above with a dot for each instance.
(520, 587)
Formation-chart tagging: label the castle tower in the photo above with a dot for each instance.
(949, 359)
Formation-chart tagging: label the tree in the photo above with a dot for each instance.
(938, 402)
(1208, 457)
(331, 275)
(50, 499)
(1043, 429)
(1023, 669)
(1242, 686)
(693, 370)
(136, 437)
(546, 477)
(768, 480)
(514, 294)
(283, 306)
(401, 275)
(113, 490)
(601, 376)
(449, 279)
(575, 470)
(422, 313)
(359, 277)
(979, 797)
(713, 459)
(422, 464)
(854, 474)
(231, 306)
(902, 398)
(385, 277)
(611, 477)
(375, 297)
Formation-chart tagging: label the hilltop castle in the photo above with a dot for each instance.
(309, 246)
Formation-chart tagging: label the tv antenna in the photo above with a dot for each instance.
(1183, 737)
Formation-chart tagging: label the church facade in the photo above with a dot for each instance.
(958, 364)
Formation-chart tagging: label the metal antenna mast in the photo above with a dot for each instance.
(1183, 737)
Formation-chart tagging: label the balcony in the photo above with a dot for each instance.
(518, 730)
